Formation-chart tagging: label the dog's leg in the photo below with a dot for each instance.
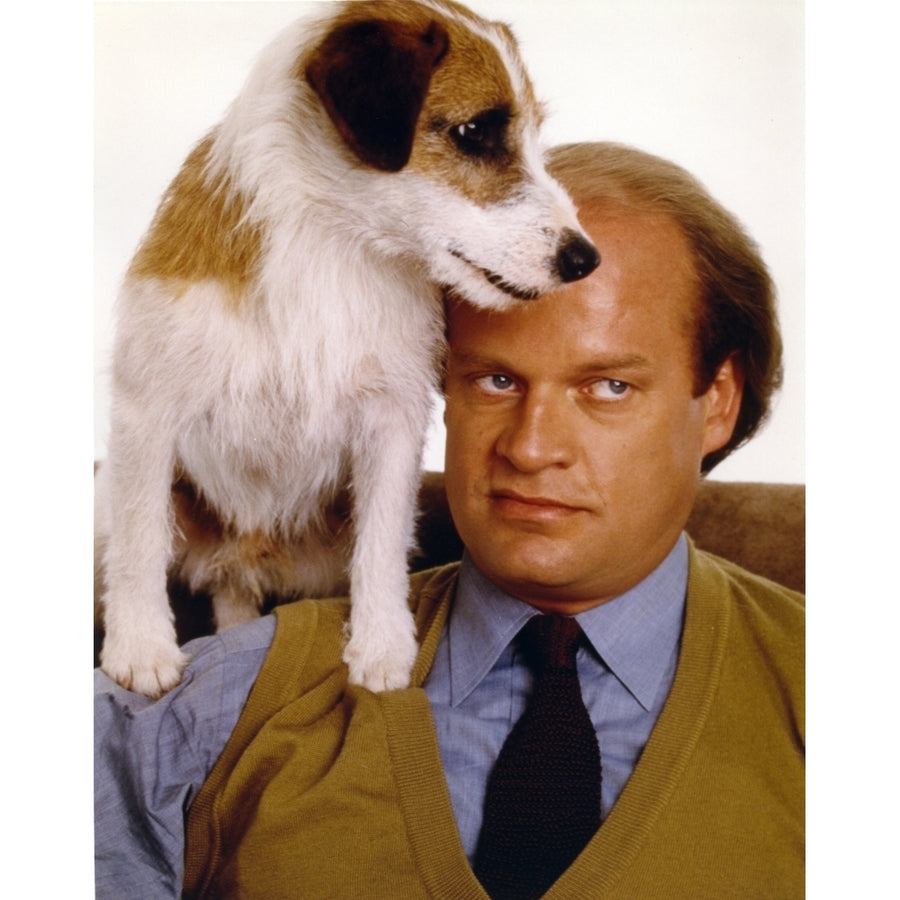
(140, 650)
(387, 457)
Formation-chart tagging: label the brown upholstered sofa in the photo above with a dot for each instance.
(760, 526)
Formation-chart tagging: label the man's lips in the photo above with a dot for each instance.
(531, 506)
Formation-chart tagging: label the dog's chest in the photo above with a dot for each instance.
(274, 437)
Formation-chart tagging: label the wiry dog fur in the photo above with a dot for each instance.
(280, 325)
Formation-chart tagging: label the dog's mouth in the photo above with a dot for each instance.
(498, 281)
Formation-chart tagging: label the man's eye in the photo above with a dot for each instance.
(495, 384)
(610, 389)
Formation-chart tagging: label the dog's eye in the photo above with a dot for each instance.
(484, 135)
(471, 134)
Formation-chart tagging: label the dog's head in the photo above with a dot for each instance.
(438, 96)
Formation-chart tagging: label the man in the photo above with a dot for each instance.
(577, 430)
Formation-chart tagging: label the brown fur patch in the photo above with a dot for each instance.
(199, 232)
(258, 549)
(202, 538)
(470, 79)
(372, 78)
(196, 525)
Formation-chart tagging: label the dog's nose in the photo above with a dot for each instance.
(576, 258)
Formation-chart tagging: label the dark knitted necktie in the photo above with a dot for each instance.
(543, 796)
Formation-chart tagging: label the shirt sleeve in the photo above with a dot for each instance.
(151, 757)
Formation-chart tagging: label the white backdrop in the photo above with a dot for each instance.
(715, 86)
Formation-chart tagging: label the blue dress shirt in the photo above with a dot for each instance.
(479, 683)
(151, 757)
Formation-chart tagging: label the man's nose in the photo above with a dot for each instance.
(538, 434)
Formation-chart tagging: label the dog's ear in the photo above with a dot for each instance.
(372, 78)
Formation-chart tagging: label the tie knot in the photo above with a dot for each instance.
(550, 642)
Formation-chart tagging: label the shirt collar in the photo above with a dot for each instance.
(633, 634)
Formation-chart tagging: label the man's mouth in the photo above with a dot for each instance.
(498, 281)
(531, 506)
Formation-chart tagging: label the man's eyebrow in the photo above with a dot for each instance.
(476, 360)
(630, 361)
(627, 362)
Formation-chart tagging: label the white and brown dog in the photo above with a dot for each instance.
(280, 327)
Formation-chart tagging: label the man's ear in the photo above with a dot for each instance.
(372, 78)
(723, 404)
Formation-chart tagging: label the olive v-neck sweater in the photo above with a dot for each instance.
(326, 790)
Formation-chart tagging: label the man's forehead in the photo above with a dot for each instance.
(527, 352)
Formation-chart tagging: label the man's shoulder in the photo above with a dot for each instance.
(426, 589)
(430, 586)
(756, 628)
(707, 567)
(311, 633)
(249, 637)
(764, 606)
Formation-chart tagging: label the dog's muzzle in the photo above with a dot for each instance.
(576, 257)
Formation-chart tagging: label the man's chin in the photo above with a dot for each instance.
(525, 569)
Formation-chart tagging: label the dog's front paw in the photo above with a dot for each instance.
(381, 661)
(150, 667)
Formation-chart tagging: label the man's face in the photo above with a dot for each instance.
(573, 440)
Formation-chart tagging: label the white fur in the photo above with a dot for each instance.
(321, 377)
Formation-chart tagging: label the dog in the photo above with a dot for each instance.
(280, 328)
